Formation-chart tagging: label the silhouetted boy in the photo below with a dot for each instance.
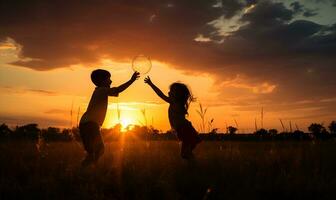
(93, 118)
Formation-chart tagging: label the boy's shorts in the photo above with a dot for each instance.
(188, 135)
(91, 138)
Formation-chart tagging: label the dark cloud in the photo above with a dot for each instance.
(297, 6)
(266, 12)
(269, 45)
(310, 13)
(231, 7)
(295, 55)
(332, 2)
(61, 33)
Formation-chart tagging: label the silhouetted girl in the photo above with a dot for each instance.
(179, 98)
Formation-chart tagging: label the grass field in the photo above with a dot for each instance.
(154, 170)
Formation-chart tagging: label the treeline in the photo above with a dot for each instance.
(135, 132)
(33, 132)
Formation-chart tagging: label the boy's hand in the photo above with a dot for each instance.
(135, 76)
(148, 80)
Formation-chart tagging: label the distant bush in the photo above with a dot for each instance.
(55, 134)
(298, 134)
(273, 131)
(29, 131)
(214, 131)
(332, 127)
(4, 130)
(232, 130)
(261, 132)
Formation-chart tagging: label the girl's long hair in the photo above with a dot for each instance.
(183, 96)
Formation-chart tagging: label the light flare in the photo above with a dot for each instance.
(248, 9)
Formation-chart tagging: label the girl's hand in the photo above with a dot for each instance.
(148, 80)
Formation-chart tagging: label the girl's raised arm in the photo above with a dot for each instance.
(156, 90)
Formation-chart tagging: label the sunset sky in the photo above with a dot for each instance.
(237, 56)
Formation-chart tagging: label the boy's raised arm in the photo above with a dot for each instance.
(156, 89)
(124, 86)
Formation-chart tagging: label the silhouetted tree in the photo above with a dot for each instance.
(50, 133)
(332, 127)
(317, 129)
(4, 130)
(232, 130)
(273, 131)
(56, 134)
(29, 131)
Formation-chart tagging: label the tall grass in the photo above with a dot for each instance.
(144, 116)
(201, 113)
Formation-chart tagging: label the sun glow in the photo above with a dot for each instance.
(126, 123)
(125, 114)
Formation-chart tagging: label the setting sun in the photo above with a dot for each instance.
(126, 122)
(126, 114)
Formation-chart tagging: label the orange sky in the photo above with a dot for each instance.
(46, 97)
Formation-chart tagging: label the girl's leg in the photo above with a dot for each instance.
(88, 160)
(186, 151)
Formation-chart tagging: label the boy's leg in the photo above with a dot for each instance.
(99, 147)
(87, 133)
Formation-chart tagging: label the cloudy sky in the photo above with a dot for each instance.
(236, 56)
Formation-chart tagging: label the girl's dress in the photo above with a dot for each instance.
(185, 131)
